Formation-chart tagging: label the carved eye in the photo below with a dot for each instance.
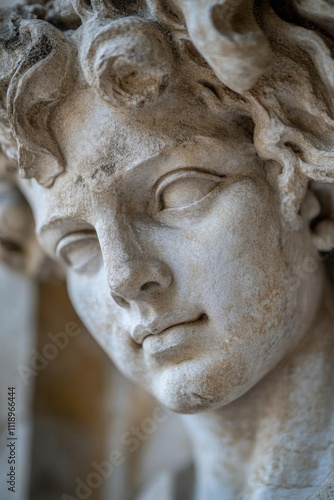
(80, 251)
(183, 189)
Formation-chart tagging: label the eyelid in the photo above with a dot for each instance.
(170, 178)
(73, 238)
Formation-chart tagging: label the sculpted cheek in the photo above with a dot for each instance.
(106, 322)
(92, 302)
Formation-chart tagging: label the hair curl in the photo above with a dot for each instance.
(271, 58)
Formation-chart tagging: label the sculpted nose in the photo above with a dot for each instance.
(138, 279)
(132, 272)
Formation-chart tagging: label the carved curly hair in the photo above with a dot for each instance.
(270, 58)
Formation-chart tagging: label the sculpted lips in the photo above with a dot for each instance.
(161, 325)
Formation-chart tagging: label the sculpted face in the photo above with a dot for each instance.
(178, 259)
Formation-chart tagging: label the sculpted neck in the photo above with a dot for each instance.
(276, 441)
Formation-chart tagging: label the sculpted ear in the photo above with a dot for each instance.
(322, 222)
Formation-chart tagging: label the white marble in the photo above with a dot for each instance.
(178, 159)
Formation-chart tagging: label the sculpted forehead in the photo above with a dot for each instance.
(101, 146)
(95, 138)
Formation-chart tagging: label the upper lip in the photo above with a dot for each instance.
(160, 324)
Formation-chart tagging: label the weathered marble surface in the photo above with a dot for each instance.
(178, 160)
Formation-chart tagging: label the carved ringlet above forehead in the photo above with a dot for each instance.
(230, 57)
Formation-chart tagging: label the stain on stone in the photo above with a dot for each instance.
(94, 174)
(108, 169)
(37, 53)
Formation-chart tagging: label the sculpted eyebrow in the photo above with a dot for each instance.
(49, 225)
(63, 222)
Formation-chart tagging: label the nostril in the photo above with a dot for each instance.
(120, 301)
(148, 285)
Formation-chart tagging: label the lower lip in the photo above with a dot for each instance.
(176, 337)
